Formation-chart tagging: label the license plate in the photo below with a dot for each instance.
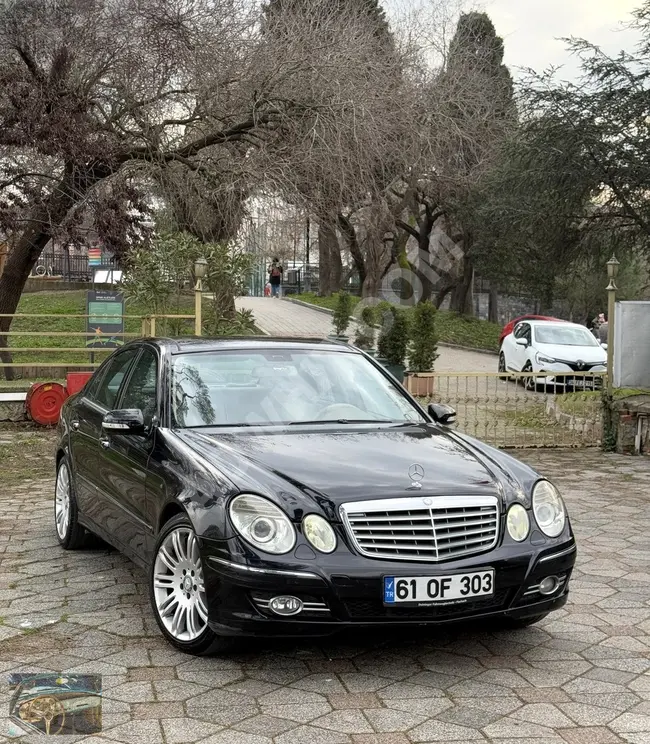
(426, 589)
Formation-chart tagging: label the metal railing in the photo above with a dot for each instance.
(522, 410)
(54, 353)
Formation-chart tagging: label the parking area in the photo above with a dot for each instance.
(581, 676)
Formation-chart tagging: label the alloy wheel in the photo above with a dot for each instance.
(178, 587)
(529, 382)
(62, 501)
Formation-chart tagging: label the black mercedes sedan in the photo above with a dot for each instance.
(284, 487)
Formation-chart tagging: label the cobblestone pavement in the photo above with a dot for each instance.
(579, 677)
(283, 318)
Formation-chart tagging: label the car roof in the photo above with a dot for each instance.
(195, 343)
(555, 323)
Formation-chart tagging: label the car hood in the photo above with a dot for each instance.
(332, 467)
(565, 353)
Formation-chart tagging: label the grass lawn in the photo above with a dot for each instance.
(65, 304)
(452, 328)
(26, 453)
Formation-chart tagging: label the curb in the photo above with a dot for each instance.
(441, 343)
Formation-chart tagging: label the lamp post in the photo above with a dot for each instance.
(612, 271)
(200, 270)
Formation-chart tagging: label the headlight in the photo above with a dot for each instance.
(548, 508)
(518, 522)
(319, 533)
(541, 359)
(262, 524)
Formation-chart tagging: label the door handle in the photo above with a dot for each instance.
(75, 425)
(106, 443)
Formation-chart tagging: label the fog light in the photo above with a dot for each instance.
(285, 606)
(548, 585)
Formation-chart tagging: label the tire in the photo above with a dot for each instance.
(177, 591)
(70, 534)
(503, 370)
(528, 382)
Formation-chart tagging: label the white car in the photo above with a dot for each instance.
(554, 347)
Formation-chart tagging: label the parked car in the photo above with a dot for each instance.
(509, 327)
(556, 348)
(293, 488)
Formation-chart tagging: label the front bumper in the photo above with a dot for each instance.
(562, 374)
(336, 598)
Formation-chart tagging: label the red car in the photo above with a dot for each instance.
(509, 327)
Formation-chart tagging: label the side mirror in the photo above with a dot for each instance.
(442, 414)
(521, 342)
(604, 345)
(124, 421)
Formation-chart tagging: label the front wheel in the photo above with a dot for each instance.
(70, 533)
(177, 591)
(529, 382)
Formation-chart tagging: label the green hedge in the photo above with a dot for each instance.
(451, 328)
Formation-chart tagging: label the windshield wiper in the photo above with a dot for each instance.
(343, 421)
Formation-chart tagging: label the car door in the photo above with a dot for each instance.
(94, 401)
(520, 352)
(124, 458)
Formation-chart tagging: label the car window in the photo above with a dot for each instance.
(564, 336)
(109, 387)
(141, 390)
(90, 390)
(522, 331)
(282, 387)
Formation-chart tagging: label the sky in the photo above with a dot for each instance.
(532, 29)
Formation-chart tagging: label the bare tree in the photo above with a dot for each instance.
(106, 91)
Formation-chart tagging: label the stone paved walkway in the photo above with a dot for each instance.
(580, 677)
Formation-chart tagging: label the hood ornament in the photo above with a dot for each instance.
(416, 473)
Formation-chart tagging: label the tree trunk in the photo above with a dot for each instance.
(462, 293)
(493, 305)
(324, 268)
(72, 188)
(442, 294)
(352, 244)
(16, 271)
(336, 263)
(378, 261)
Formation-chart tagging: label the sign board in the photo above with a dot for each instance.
(105, 322)
(107, 276)
(632, 345)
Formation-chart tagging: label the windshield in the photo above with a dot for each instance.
(279, 386)
(564, 336)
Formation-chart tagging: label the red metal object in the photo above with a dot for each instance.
(75, 381)
(509, 327)
(44, 401)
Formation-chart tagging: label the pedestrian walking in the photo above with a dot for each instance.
(602, 331)
(275, 277)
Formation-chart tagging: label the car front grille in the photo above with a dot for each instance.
(423, 529)
(368, 609)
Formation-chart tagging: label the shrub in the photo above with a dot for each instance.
(365, 338)
(423, 346)
(394, 337)
(342, 310)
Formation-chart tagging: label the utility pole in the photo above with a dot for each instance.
(612, 271)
